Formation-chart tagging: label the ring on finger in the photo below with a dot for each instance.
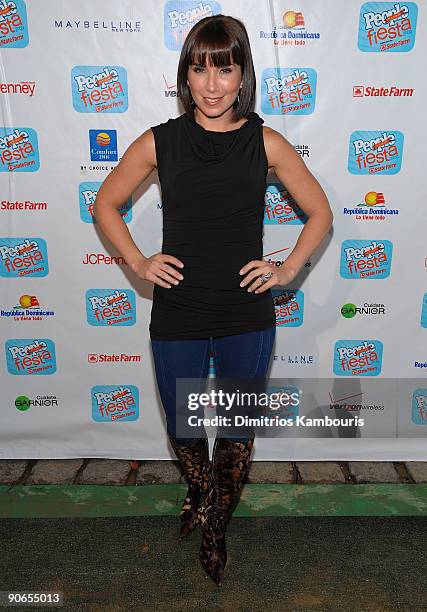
(264, 277)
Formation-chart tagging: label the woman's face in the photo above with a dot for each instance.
(214, 89)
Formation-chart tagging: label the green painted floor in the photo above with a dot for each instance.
(257, 500)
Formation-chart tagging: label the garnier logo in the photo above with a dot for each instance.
(349, 310)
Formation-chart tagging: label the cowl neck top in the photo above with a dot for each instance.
(213, 188)
(212, 145)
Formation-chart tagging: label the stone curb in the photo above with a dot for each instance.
(122, 472)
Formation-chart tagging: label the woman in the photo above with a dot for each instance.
(211, 285)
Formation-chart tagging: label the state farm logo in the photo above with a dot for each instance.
(362, 91)
(113, 358)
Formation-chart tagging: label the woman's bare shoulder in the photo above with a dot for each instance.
(275, 145)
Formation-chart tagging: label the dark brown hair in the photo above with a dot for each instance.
(225, 41)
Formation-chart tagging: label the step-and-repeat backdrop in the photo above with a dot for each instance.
(345, 83)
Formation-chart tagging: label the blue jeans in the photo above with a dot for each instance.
(240, 356)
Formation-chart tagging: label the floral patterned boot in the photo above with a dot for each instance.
(195, 463)
(230, 463)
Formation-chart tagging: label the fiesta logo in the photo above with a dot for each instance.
(424, 311)
(357, 357)
(19, 150)
(114, 403)
(376, 152)
(365, 259)
(87, 194)
(30, 357)
(13, 24)
(103, 145)
(99, 89)
(281, 208)
(22, 257)
(290, 91)
(178, 21)
(289, 307)
(387, 26)
(419, 407)
(105, 307)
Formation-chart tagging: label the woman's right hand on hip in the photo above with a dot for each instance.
(158, 270)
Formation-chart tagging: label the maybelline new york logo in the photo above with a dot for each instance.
(23, 257)
(106, 307)
(99, 89)
(180, 17)
(87, 195)
(281, 208)
(19, 150)
(365, 259)
(387, 26)
(375, 152)
(114, 403)
(289, 307)
(290, 91)
(13, 24)
(26, 356)
(358, 357)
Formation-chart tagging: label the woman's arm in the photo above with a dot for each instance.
(137, 163)
(306, 191)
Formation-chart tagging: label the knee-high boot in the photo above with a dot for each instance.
(195, 463)
(230, 463)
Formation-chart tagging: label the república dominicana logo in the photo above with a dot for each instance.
(387, 26)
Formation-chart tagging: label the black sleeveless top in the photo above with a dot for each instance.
(213, 186)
